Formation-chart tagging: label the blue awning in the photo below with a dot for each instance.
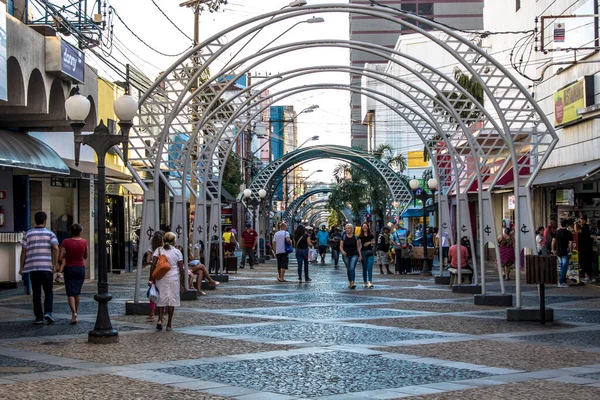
(412, 213)
(19, 150)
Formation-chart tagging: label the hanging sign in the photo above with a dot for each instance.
(559, 32)
(579, 94)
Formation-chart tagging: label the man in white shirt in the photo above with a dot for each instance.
(280, 239)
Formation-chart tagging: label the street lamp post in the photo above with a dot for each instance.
(424, 196)
(101, 140)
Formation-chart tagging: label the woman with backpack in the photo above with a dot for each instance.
(167, 270)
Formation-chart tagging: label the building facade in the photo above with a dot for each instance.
(459, 14)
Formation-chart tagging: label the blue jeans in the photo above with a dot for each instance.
(564, 265)
(350, 262)
(367, 263)
(335, 255)
(302, 257)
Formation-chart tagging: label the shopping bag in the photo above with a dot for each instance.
(152, 293)
(312, 255)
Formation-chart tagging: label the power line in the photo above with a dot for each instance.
(169, 19)
(142, 40)
(481, 34)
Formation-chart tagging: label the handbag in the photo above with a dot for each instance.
(289, 248)
(161, 268)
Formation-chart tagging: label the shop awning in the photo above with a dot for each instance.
(413, 213)
(226, 197)
(19, 150)
(88, 167)
(567, 173)
(133, 188)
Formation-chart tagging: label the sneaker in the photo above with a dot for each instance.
(39, 322)
(586, 280)
(49, 319)
(563, 285)
(365, 285)
(308, 280)
(251, 267)
(241, 267)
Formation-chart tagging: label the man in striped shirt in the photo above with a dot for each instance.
(39, 255)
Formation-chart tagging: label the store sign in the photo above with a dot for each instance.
(579, 94)
(559, 32)
(64, 60)
(511, 202)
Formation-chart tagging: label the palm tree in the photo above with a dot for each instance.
(462, 105)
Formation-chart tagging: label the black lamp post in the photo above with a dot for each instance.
(101, 140)
(420, 194)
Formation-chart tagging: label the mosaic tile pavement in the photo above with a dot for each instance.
(254, 338)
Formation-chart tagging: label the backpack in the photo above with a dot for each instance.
(161, 268)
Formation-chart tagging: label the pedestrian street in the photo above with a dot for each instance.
(256, 338)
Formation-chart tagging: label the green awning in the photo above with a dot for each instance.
(19, 150)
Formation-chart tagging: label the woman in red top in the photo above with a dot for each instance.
(72, 253)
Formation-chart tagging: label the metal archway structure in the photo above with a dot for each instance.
(513, 130)
(315, 205)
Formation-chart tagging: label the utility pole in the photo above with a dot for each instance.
(198, 6)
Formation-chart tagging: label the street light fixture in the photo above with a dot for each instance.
(101, 140)
(301, 182)
(423, 196)
(313, 20)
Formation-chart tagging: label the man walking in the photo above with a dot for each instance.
(323, 241)
(562, 245)
(280, 239)
(549, 234)
(399, 241)
(39, 256)
(249, 243)
(584, 247)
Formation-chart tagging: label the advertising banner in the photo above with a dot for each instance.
(569, 99)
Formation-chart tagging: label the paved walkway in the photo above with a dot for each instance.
(255, 338)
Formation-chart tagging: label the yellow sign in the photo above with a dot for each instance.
(567, 100)
(415, 160)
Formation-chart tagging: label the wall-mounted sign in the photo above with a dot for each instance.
(579, 94)
(64, 60)
(511, 202)
(559, 32)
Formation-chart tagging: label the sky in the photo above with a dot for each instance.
(331, 121)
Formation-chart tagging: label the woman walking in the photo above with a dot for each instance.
(171, 284)
(302, 243)
(350, 249)
(506, 247)
(367, 240)
(72, 253)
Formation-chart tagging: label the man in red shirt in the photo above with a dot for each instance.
(453, 256)
(249, 243)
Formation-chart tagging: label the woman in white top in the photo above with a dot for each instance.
(170, 285)
(539, 240)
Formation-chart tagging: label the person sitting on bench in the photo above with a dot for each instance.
(195, 267)
(464, 260)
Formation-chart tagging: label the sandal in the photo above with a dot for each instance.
(168, 329)
(215, 283)
(281, 280)
(74, 320)
(159, 327)
(150, 319)
(201, 293)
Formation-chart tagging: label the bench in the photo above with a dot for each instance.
(464, 272)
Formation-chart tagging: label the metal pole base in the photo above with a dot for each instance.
(426, 271)
(103, 332)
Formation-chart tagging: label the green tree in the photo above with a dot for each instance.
(357, 187)
(467, 111)
(232, 175)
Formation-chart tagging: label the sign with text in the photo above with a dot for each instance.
(64, 60)
(579, 94)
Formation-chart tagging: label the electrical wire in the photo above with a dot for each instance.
(169, 19)
(143, 41)
(481, 34)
